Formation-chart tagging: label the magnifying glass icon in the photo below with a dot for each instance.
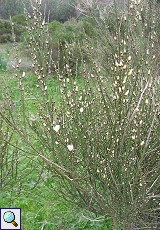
(9, 217)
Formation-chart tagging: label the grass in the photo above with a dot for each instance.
(41, 205)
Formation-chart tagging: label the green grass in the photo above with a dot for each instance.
(41, 204)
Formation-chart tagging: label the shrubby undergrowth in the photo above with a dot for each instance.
(101, 141)
(6, 30)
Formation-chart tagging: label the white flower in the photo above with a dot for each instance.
(127, 92)
(142, 143)
(146, 101)
(130, 72)
(56, 128)
(124, 67)
(118, 64)
(69, 93)
(133, 137)
(81, 110)
(70, 147)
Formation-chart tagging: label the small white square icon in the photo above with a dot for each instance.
(10, 219)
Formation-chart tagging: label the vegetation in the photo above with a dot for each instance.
(7, 29)
(3, 61)
(9, 8)
(59, 11)
(86, 136)
(19, 19)
(54, 9)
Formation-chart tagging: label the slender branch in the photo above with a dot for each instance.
(153, 184)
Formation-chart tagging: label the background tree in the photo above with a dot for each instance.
(9, 8)
(59, 10)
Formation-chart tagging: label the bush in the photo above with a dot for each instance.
(64, 32)
(90, 27)
(6, 31)
(19, 19)
(102, 140)
(59, 37)
(67, 39)
(18, 31)
(4, 38)
(5, 27)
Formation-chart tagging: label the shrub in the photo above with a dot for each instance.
(5, 27)
(59, 37)
(4, 38)
(6, 31)
(90, 27)
(19, 19)
(18, 31)
(65, 32)
(102, 140)
(68, 35)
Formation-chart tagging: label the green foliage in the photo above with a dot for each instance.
(66, 11)
(18, 31)
(65, 32)
(19, 19)
(59, 10)
(59, 37)
(13, 7)
(6, 31)
(3, 61)
(54, 9)
(67, 38)
(90, 27)
(5, 27)
(4, 38)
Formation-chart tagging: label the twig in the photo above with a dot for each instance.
(43, 226)
(138, 104)
(95, 220)
(153, 184)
